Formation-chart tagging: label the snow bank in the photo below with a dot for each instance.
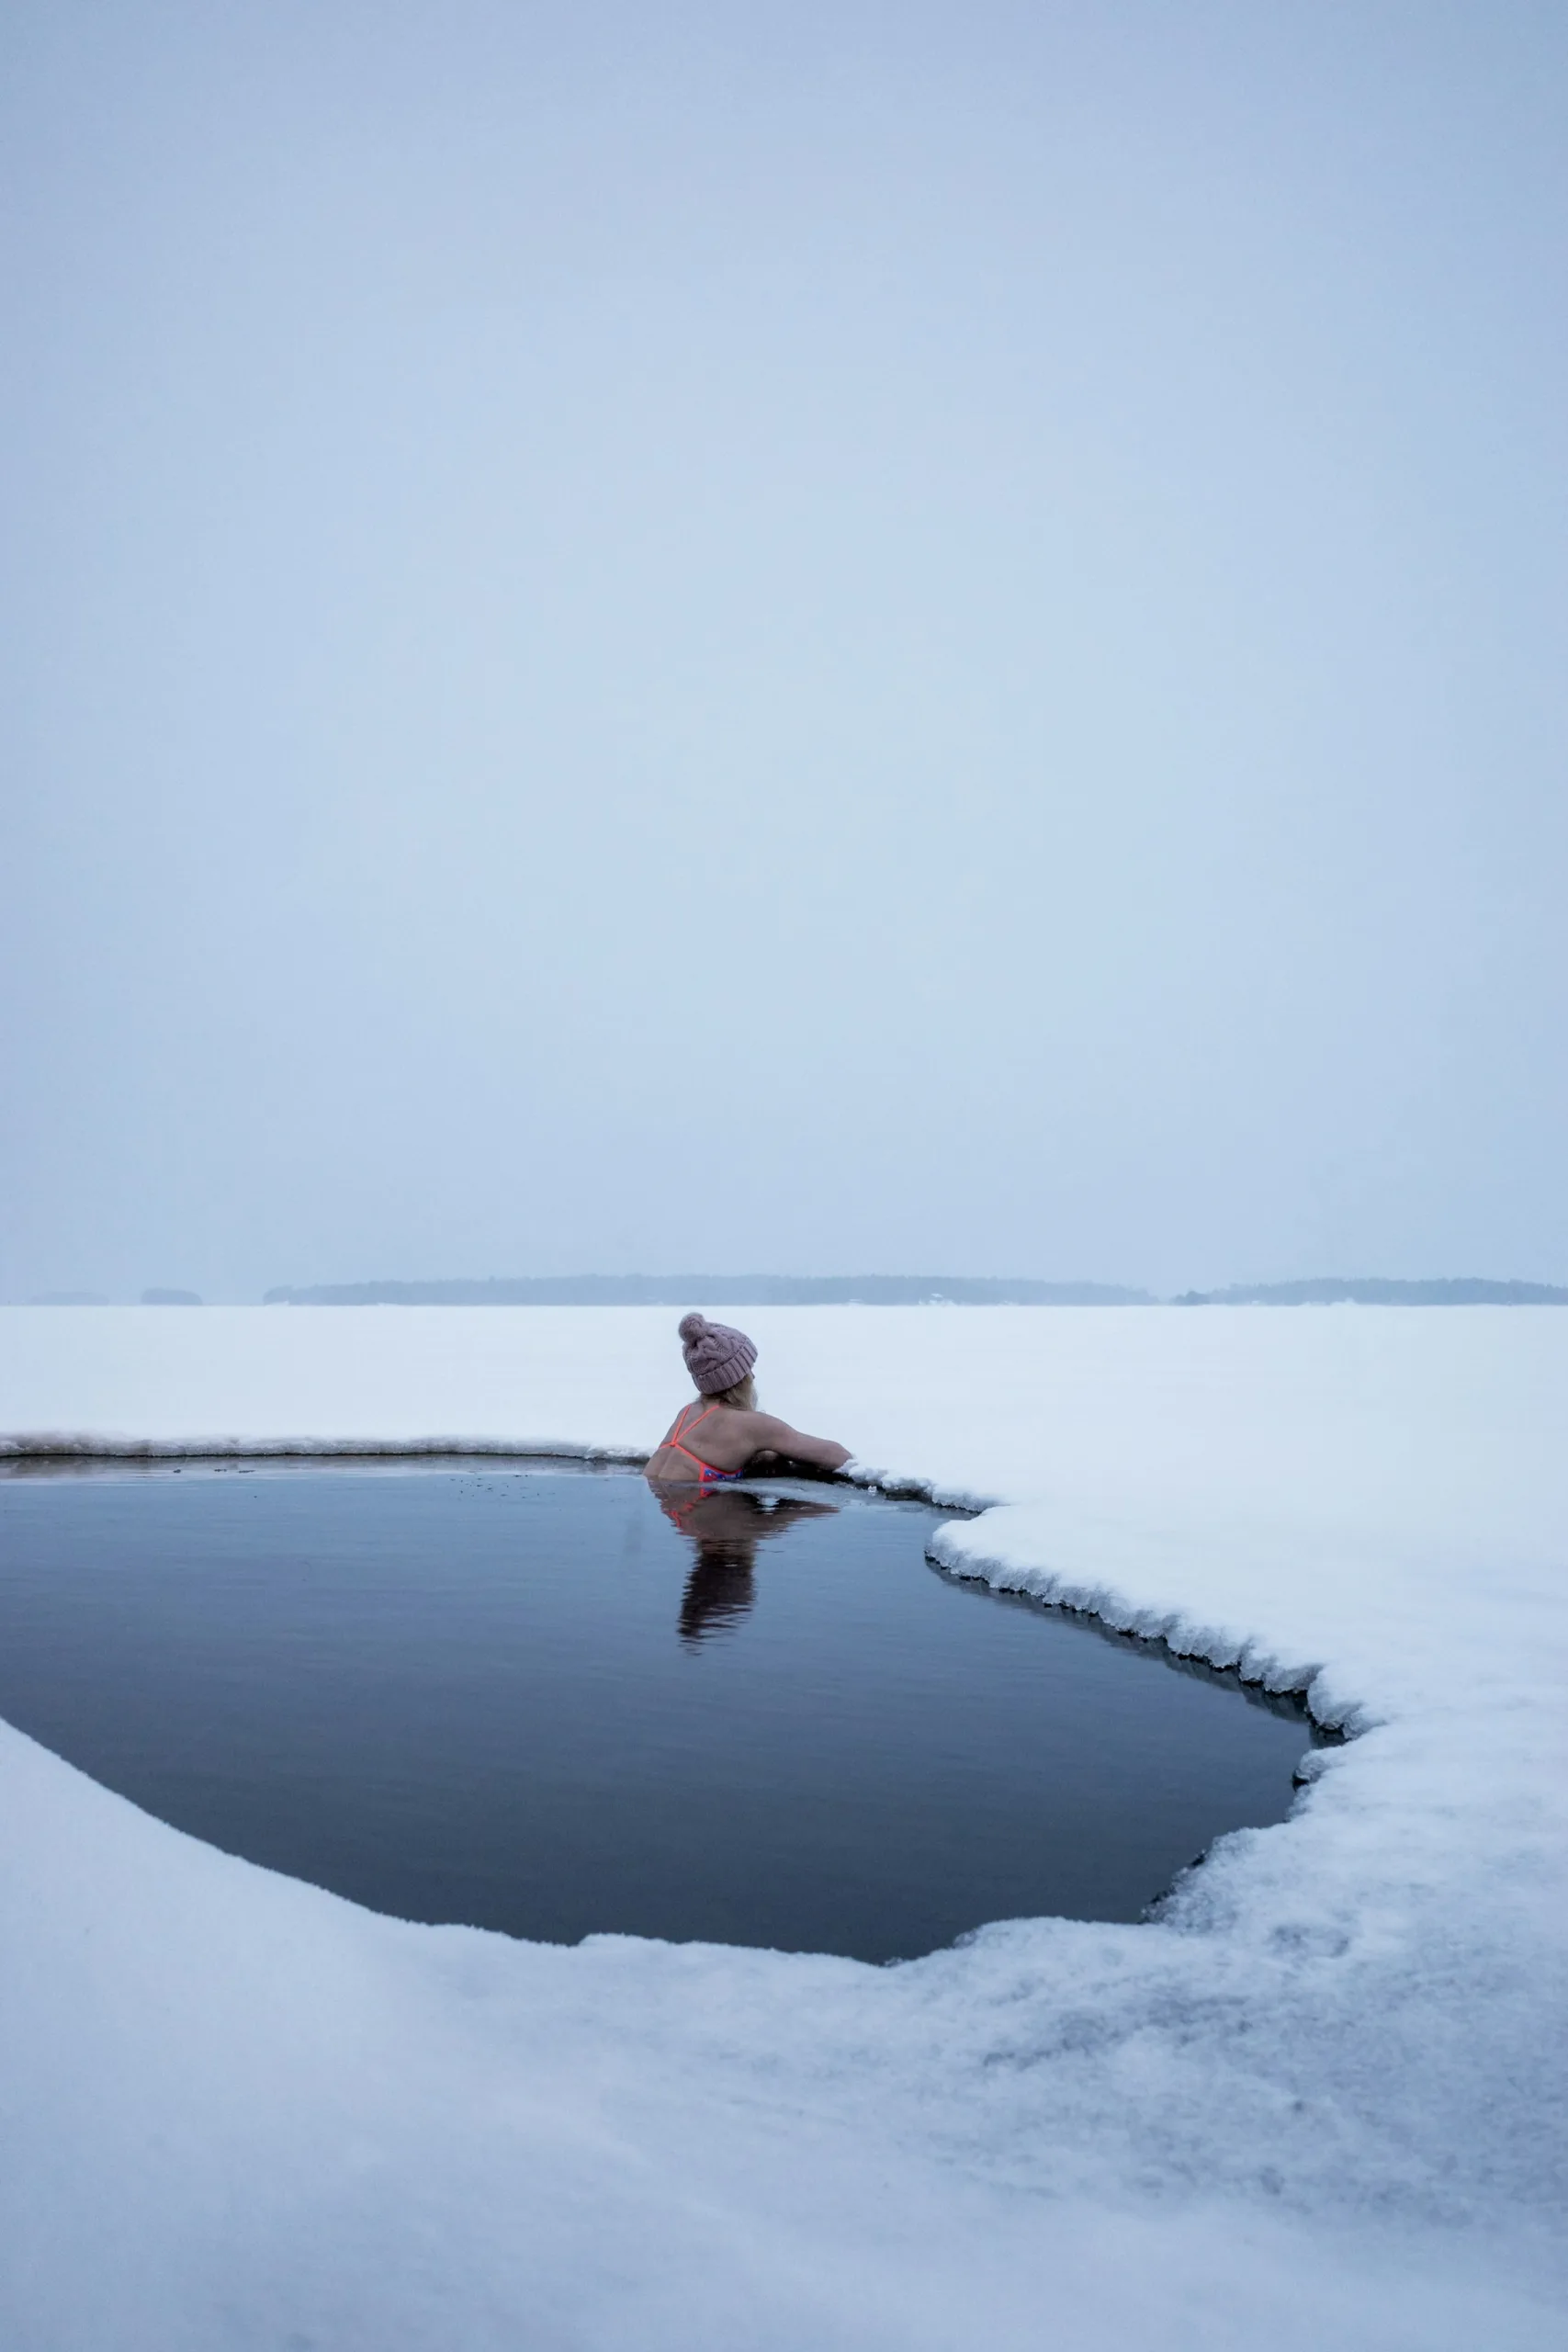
(1322, 2098)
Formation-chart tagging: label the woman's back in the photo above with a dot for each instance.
(706, 1435)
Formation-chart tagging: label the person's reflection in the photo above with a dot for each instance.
(724, 1527)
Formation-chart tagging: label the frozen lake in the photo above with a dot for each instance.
(522, 1697)
(1326, 2085)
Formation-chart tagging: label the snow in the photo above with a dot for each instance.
(1321, 2098)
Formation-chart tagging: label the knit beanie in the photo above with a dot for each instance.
(718, 1356)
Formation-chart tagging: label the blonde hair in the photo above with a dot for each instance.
(743, 1396)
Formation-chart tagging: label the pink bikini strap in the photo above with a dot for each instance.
(684, 1428)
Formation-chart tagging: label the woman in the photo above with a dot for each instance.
(720, 1433)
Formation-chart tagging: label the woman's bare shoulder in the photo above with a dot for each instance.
(768, 1434)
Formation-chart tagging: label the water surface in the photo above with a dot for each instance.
(524, 1699)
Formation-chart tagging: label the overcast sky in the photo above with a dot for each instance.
(809, 637)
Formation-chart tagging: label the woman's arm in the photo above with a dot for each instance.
(770, 1435)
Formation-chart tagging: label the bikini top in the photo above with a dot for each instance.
(707, 1472)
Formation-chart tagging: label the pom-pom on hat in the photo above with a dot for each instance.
(718, 1356)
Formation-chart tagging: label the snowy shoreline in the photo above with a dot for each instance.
(1326, 2085)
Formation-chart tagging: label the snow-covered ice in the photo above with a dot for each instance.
(1321, 2099)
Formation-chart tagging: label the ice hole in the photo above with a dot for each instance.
(524, 1698)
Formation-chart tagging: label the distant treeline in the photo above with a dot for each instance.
(897, 1290)
(861, 1290)
(716, 1290)
(1333, 1291)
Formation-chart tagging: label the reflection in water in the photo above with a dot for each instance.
(724, 1526)
(720, 1588)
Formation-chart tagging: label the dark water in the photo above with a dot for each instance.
(526, 1701)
